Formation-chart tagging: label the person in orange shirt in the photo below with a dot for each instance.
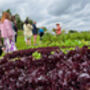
(58, 29)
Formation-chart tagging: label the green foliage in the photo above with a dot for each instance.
(36, 55)
(72, 36)
(29, 20)
(66, 50)
(19, 22)
(9, 11)
(45, 29)
(54, 30)
(52, 52)
(72, 31)
(67, 40)
(70, 40)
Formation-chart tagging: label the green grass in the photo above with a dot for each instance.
(50, 40)
(21, 43)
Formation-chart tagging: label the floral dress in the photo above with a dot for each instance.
(9, 45)
(7, 33)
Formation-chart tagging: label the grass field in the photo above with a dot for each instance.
(21, 43)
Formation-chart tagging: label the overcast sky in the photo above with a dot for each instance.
(71, 14)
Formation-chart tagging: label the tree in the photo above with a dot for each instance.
(54, 30)
(9, 11)
(72, 31)
(19, 21)
(29, 20)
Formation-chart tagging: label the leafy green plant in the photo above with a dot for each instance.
(37, 55)
(52, 52)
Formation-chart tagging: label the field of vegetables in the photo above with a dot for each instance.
(52, 70)
(64, 41)
(56, 63)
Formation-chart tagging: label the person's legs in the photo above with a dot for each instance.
(13, 47)
(28, 41)
(41, 34)
(16, 38)
(35, 37)
(1, 51)
(7, 45)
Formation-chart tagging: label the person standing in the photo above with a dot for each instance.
(35, 32)
(7, 33)
(27, 32)
(14, 25)
(58, 29)
(41, 32)
(1, 48)
(0, 34)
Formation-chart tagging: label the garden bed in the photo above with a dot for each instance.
(54, 70)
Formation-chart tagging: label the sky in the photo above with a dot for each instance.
(71, 14)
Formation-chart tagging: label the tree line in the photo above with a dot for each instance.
(19, 21)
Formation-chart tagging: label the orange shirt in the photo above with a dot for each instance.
(58, 30)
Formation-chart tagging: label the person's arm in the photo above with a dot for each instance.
(30, 27)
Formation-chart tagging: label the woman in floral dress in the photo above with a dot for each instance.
(7, 33)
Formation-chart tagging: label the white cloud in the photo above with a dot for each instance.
(71, 14)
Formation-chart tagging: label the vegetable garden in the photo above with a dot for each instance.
(56, 63)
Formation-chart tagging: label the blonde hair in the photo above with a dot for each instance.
(5, 16)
